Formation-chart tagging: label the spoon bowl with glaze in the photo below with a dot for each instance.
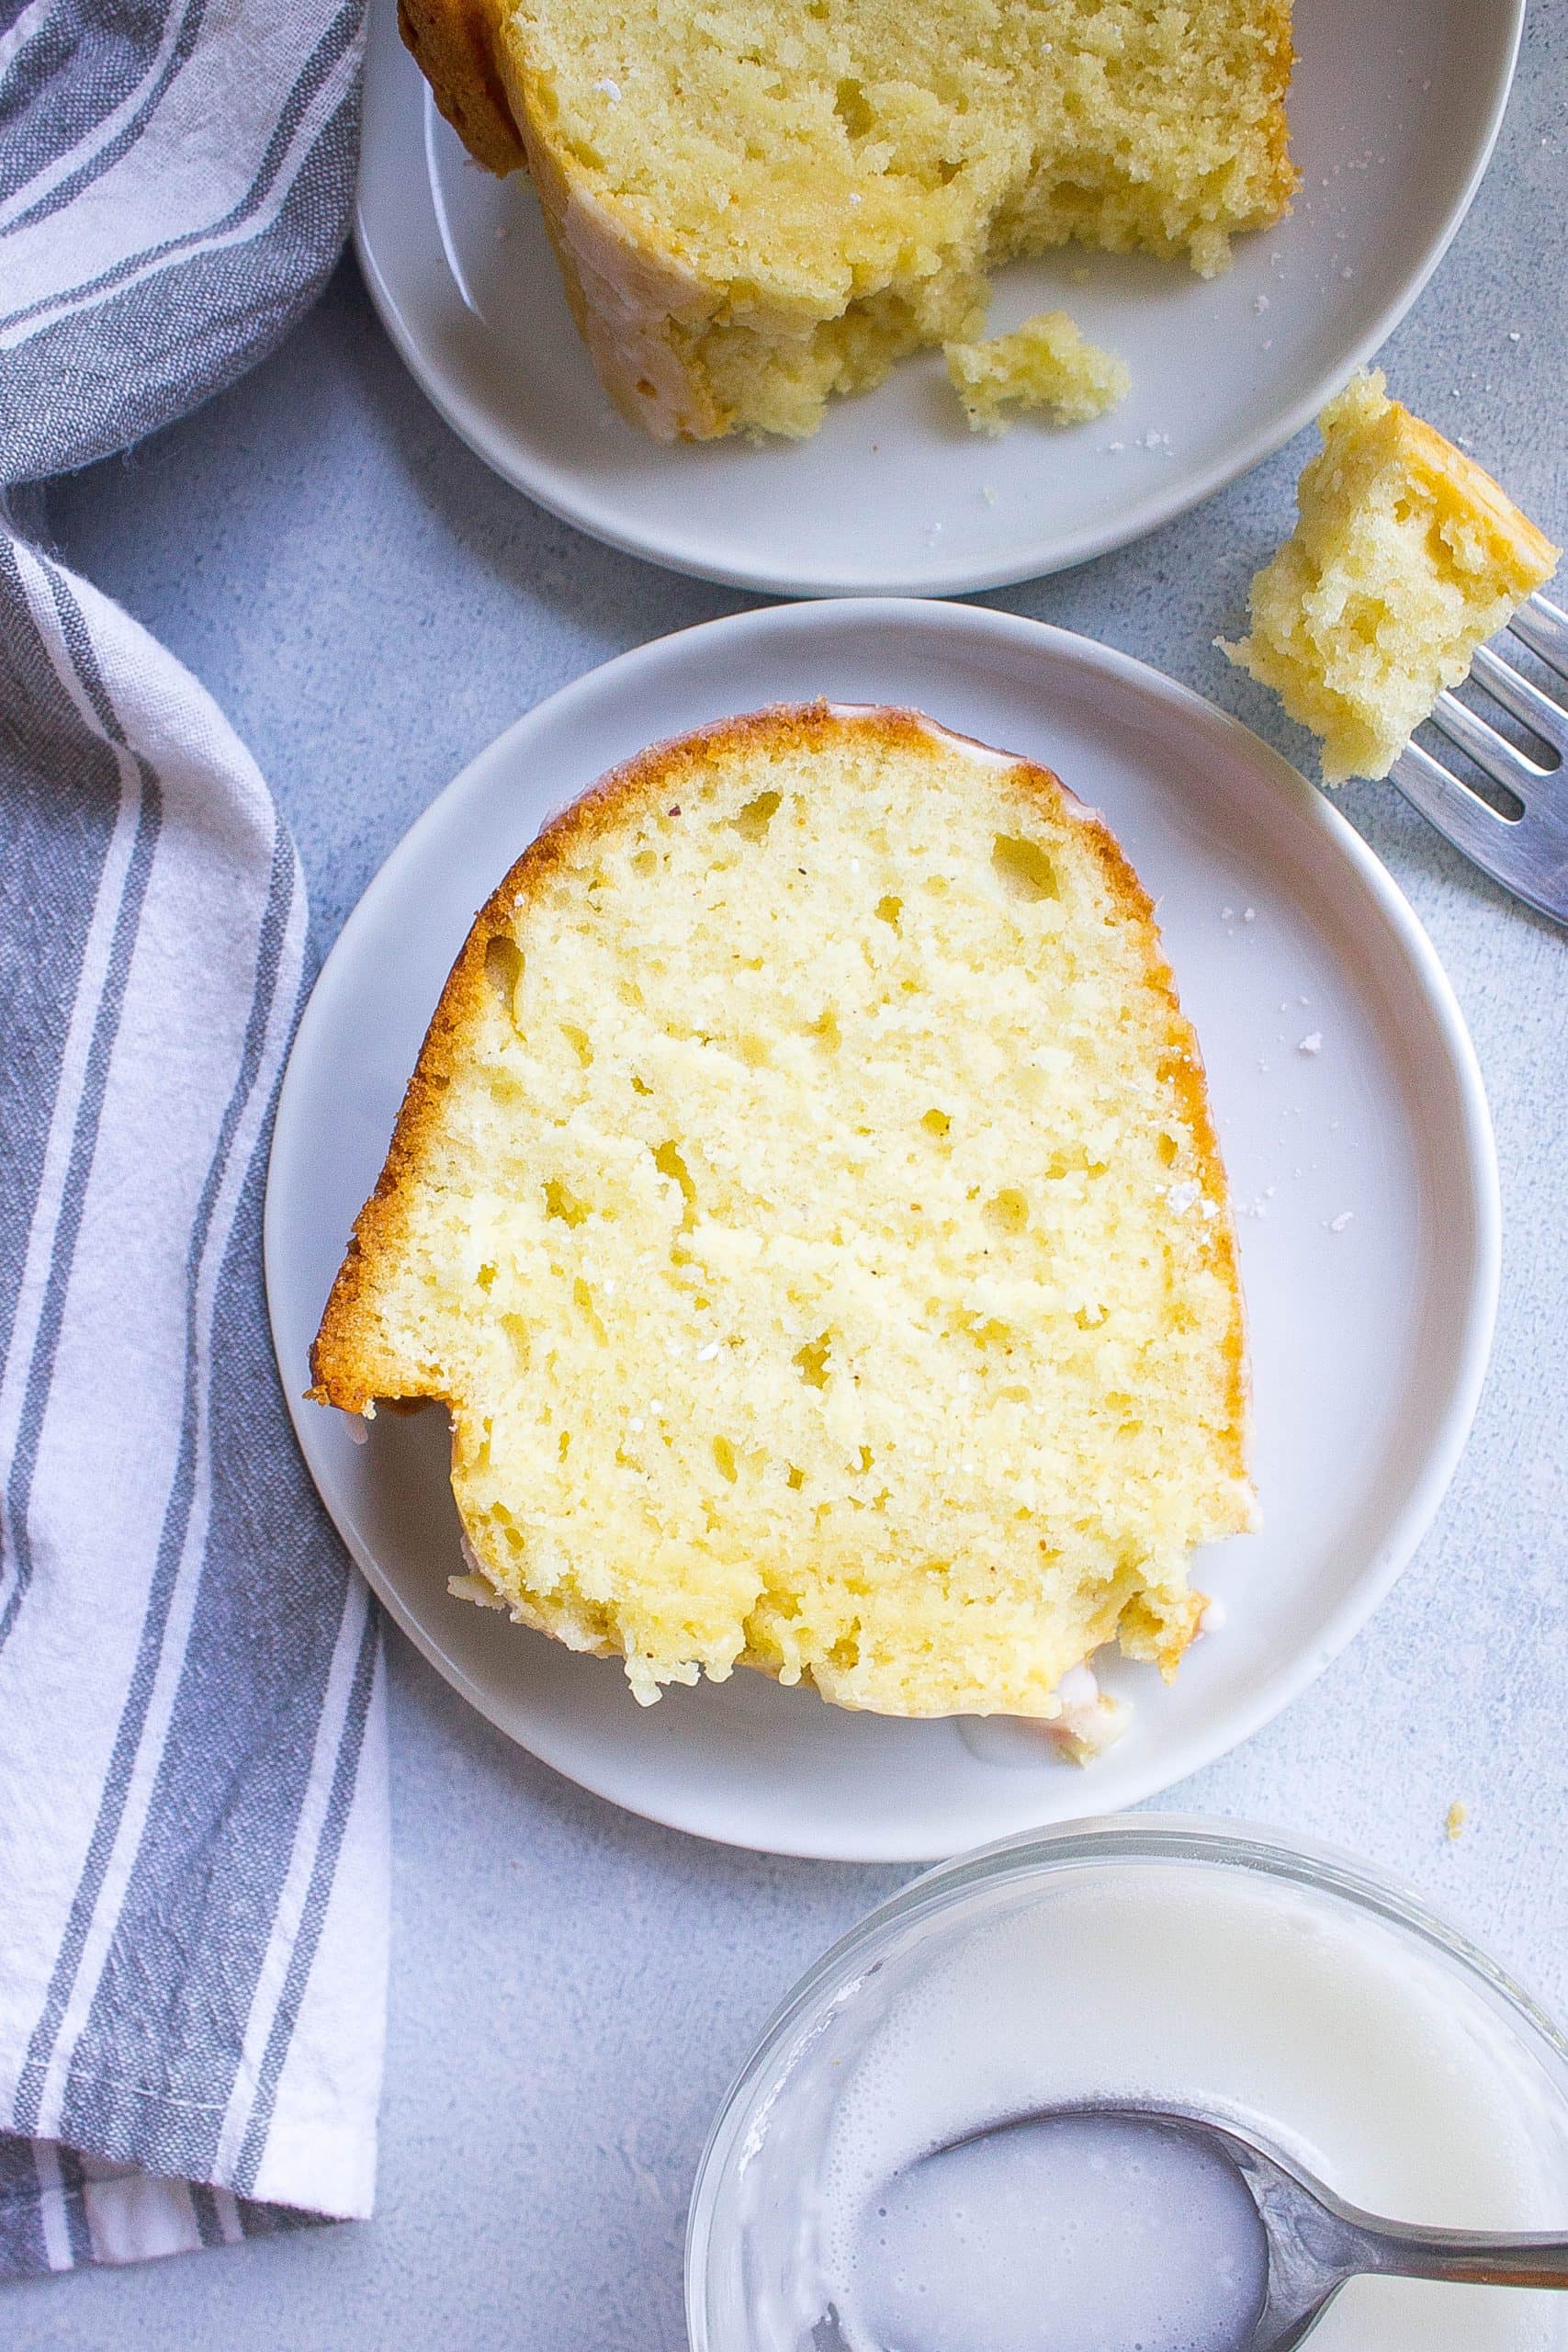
(1290, 2243)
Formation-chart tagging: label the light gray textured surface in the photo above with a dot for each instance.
(572, 1989)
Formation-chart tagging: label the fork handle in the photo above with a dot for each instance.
(1467, 2257)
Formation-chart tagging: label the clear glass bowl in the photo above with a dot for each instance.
(792, 2071)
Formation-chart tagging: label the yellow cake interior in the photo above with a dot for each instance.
(807, 1210)
(1046, 363)
(1406, 558)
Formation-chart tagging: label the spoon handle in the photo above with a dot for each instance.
(1467, 2257)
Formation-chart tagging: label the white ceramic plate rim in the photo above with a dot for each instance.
(1481, 1244)
(564, 493)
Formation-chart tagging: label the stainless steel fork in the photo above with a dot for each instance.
(1527, 853)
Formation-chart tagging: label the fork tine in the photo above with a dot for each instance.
(1529, 705)
(1528, 855)
(1540, 624)
(1492, 753)
(1459, 814)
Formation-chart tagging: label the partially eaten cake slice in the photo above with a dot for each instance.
(806, 1206)
(1404, 558)
(757, 203)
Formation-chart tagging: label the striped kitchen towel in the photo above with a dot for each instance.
(193, 1865)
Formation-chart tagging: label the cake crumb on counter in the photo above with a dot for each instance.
(1457, 1814)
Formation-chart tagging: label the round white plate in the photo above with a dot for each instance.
(1362, 1168)
(1393, 110)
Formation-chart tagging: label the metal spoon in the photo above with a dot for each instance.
(1316, 2242)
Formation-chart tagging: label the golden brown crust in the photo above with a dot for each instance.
(453, 43)
(1285, 178)
(1459, 485)
(344, 1365)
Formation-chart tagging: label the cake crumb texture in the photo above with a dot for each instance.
(758, 204)
(1046, 363)
(1405, 557)
(805, 1207)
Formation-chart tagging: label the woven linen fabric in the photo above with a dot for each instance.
(193, 1852)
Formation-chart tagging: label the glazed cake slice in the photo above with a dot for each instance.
(760, 203)
(806, 1208)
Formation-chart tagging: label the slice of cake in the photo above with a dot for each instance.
(762, 203)
(806, 1206)
(1406, 558)
(1046, 363)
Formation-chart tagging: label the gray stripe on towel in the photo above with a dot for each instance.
(23, 2253)
(345, 1781)
(329, 51)
(74, 2184)
(170, 2011)
(203, 2205)
(116, 1786)
(127, 374)
(59, 787)
(41, 1373)
(108, 149)
(97, 64)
